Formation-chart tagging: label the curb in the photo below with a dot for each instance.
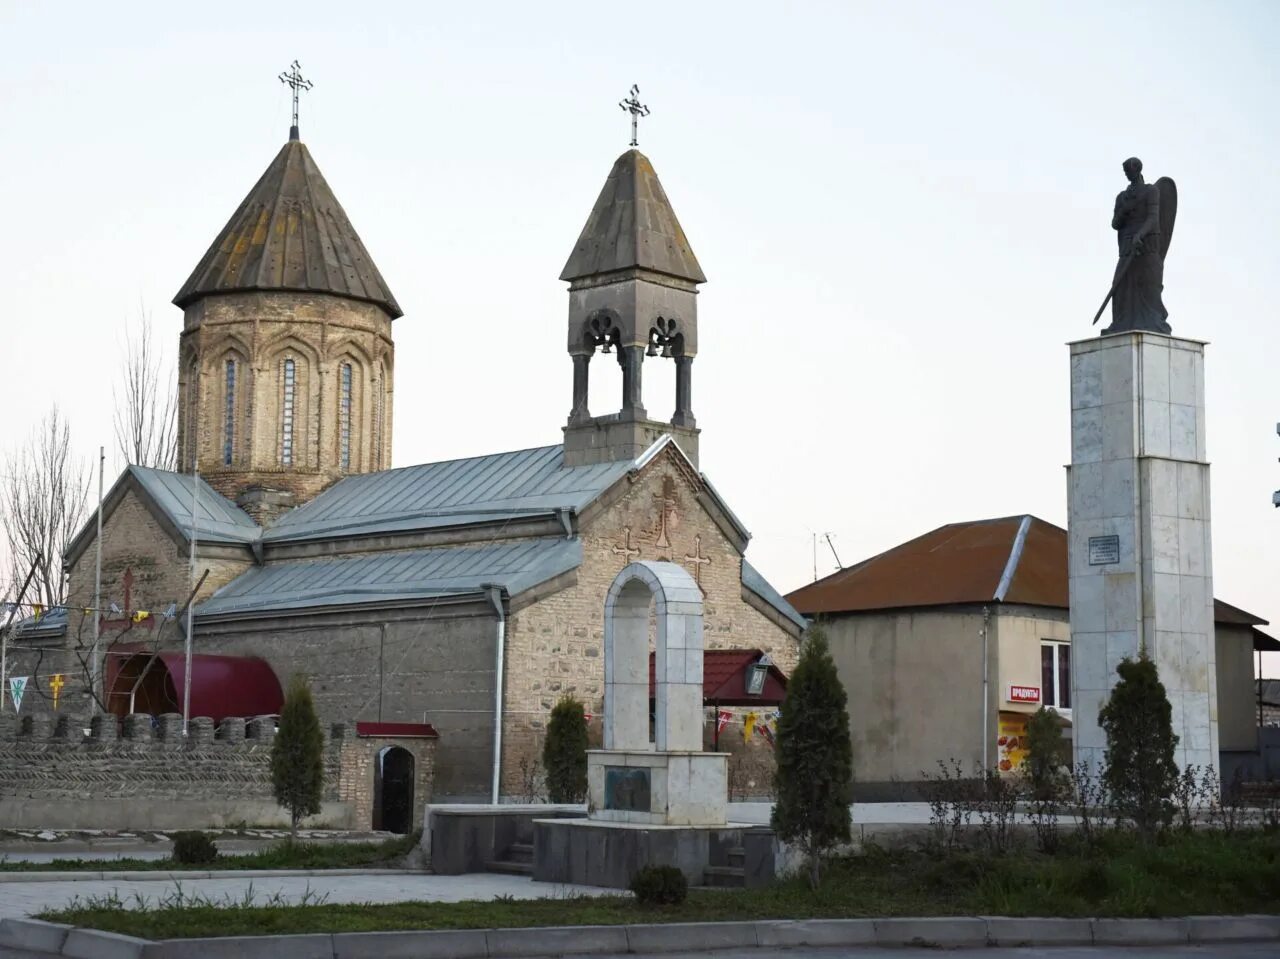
(158, 875)
(972, 932)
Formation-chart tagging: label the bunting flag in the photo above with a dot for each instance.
(172, 611)
(767, 733)
(37, 611)
(17, 686)
(723, 718)
(56, 684)
(140, 614)
(749, 725)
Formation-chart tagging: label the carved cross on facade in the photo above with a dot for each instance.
(666, 511)
(637, 110)
(698, 560)
(295, 80)
(128, 591)
(626, 550)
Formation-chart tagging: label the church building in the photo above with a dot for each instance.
(467, 594)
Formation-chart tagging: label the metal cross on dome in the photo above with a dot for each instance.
(637, 110)
(295, 80)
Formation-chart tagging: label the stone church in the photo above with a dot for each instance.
(467, 594)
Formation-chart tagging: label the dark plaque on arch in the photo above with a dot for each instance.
(1104, 550)
(627, 788)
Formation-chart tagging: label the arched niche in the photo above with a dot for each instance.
(677, 602)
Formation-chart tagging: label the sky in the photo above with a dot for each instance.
(903, 211)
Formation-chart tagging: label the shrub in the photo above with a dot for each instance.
(564, 753)
(1048, 753)
(660, 886)
(297, 755)
(814, 778)
(193, 848)
(1140, 772)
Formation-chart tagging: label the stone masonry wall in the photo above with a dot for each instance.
(145, 761)
(554, 645)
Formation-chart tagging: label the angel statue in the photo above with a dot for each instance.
(1143, 222)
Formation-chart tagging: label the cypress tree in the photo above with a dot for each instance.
(297, 755)
(1140, 770)
(564, 753)
(814, 778)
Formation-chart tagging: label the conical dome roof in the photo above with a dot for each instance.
(632, 225)
(290, 233)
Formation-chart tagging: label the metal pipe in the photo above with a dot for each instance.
(95, 668)
(986, 694)
(500, 642)
(191, 603)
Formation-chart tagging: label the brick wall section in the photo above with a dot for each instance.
(555, 645)
(321, 334)
(358, 769)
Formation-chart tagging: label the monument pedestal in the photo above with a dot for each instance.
(660, 789)
(1140, 547)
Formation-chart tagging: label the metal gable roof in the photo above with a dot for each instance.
(479, 489)
(394, 576)
(754, 581)
(218, 520)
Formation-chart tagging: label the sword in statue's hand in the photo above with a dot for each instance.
(1134, 250)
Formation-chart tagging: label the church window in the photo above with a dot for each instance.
(344, 417)
(286, 417)
(229, 425)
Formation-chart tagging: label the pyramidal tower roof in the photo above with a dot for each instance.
(632, 225)
(290, 233)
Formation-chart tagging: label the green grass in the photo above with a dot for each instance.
(1187, 875)
(283, 855)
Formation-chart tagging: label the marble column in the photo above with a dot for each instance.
(1140, 548)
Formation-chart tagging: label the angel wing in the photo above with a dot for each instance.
(1168, 212)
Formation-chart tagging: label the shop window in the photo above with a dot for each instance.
(1055, 674)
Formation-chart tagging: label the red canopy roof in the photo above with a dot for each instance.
(724, 678)
(221, 686)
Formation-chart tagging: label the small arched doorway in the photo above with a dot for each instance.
(393, 790)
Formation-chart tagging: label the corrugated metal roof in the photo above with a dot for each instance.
(632, 225)
(957, 563)
(754, 581)
(482, 489)
(50, 624)
(218, 520)
(289, 233)
(964, 563)
(389, 577)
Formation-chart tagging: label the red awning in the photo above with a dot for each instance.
(221, 686)
(397, 730)
(724, 678)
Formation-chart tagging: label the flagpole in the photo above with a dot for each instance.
(191, 601)
(95, 668)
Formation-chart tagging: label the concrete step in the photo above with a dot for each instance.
(509, 867)
(737, 856)
(724, 876)
(520, 852)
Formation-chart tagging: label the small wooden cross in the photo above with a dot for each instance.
(698, 560)
(626, 550)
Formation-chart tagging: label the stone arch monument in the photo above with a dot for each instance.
(669, 780)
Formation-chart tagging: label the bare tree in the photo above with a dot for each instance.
(146, 420)
(43, 503)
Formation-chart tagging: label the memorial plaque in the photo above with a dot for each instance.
(1104, 550)
(626, 787)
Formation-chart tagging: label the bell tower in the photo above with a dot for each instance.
(633, 288)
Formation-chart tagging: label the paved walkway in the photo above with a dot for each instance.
(18, 899)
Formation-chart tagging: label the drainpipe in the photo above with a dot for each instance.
(494, 593)
(986, 695)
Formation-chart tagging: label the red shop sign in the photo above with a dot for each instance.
(1024, 694)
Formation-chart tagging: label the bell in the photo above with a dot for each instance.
(666, 351)
(652, 350)
(605, 347)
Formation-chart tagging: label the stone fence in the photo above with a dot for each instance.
(143, 773)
